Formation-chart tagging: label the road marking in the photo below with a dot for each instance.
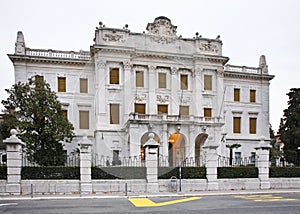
(8, 204)
(145, 202)
(264, 198)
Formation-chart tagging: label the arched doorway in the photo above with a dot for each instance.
(199, 141)
(144, 139)
(176, 144)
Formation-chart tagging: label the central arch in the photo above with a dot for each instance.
(176, 144)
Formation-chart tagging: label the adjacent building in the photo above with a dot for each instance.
(131, 84)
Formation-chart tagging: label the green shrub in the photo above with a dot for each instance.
(238, 172)
(50, 172)
(118, 173)
(285, 172)
(3, 172)
(186, 172)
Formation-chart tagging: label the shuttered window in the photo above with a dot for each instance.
(184, 82)
(65, 113)
(207, 82)
(140, 108)
(236, 125)
(61, 84)
(114, 76)
(139, 81)
(252, 125)
(207, 112)
(83, 85)
(84, 120)
(162, 80)
(236, 95)
(114, 114)
(162, 109)
(184, 110)
(252, 96)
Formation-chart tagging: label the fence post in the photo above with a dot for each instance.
(212, 167)
(85, 166)
(263, 163)
(151, 150)
(14, 163)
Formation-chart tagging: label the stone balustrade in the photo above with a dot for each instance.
(242, 69)
(82, 55)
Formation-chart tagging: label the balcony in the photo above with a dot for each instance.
(164, 118)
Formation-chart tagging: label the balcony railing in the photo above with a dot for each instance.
(242, 69)
(174, 118)
(82, 55)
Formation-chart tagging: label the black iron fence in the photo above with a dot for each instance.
(106, 161)
(71, 160)
(165, 161)
(3, 159)
(245, 161)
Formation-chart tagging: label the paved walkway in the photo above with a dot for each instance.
(148, 195)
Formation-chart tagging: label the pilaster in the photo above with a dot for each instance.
(85, 166)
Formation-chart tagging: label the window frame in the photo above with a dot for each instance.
(114, 80)
(162, 105)
(114, 117)
(61, 84)
(252, 94)
(83, 125)
(207, 82)
(184, 82)
(252, 125)
(141, 78)
(83, 85)
(237, 130)
(164, 78)
(236, 94)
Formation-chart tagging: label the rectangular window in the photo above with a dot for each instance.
(236, 125)
(114, 76)
(162, 109)
(65, 113)
(184, 82)
(236, 97)
(39, 81)
(184, 110)
(114, 114)
(252, 96)
(207, 82)
(252, 125)
(139, 81)
(84, 120)
(207, 112)
(83, 85)
(61, 84)
(162, 80)
(140, 108)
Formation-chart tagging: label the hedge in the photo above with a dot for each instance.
(3, 172)
(186, 172)
(238, 172)
(285, 172)
(50, 172)
(119, 173)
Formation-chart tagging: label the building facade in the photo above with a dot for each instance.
(131, 84)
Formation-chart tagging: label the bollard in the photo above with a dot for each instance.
(125, 189)
(31, 190)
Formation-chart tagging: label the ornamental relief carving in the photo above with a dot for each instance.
(162, 99)
(101, 64)
(185, 100)
(209, 47)
(174, 70)
(140, 98)
(162, 30)
(113, 37)
(163, 39)
(127, 65)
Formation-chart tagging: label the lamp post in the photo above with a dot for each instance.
(298, 156)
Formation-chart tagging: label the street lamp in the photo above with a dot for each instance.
(298, 156)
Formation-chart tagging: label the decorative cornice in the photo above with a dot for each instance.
(228, 74)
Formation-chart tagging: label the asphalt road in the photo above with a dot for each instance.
(263, 203)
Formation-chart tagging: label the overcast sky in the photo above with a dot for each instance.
(248, 29)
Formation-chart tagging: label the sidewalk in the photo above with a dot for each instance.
(150, 195)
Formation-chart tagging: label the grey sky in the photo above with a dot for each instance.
(248, 28)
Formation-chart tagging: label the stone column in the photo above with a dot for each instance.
(263, 163)
(14, 163)
(85, 166)
(151, 149)
(211, 166)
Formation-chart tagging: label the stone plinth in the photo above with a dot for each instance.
(14, 163)
(85, 166)
(211, 167)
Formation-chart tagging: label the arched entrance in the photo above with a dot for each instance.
(199, 141)
(176, 144)
(144, 139)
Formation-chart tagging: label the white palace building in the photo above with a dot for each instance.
(130, 84)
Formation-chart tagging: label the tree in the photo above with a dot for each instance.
(34, 110)
(290, 126)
